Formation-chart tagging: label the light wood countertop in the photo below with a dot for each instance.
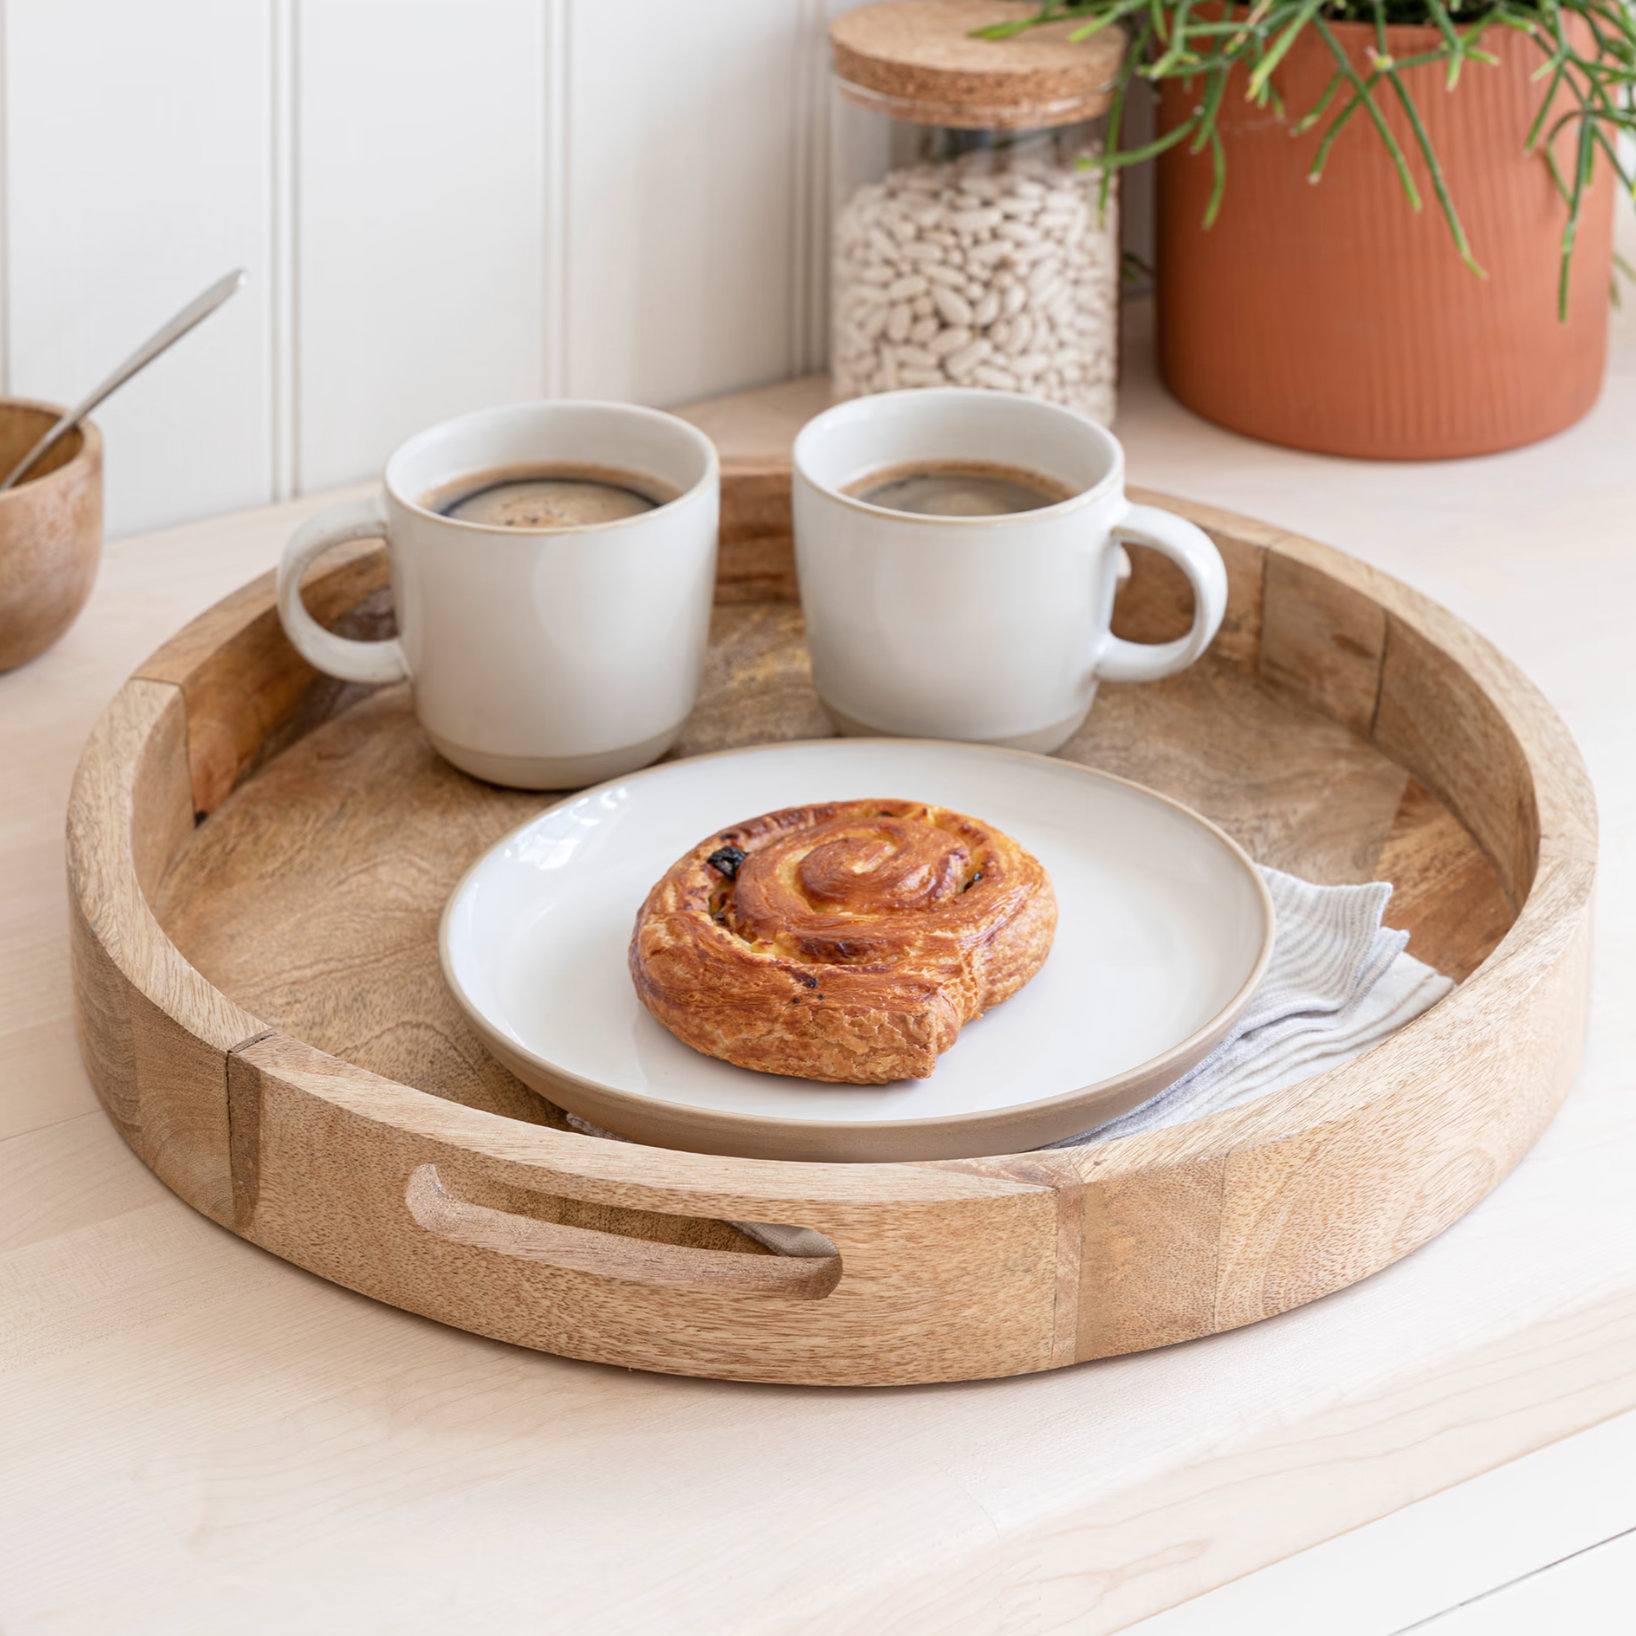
(195, 1435)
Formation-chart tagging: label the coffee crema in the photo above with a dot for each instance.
(561, 495)
(959, 488)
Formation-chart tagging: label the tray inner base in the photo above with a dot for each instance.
(312, 894)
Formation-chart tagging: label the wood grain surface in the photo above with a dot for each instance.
(363, 1132)
(198, 1436)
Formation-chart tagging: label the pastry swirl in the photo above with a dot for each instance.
(847, 942)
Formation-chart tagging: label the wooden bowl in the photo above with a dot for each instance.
(258, 860)
(50, 530)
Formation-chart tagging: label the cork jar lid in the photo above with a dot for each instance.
(917, 59)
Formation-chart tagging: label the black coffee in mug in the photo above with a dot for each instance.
(959, 488)
(549, 496)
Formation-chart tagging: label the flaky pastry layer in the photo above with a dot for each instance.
(847, 942)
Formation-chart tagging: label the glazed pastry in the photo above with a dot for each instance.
(849, 942)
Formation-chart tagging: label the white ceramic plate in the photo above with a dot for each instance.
(1164, 929)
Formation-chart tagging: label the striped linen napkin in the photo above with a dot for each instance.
(1338, 982)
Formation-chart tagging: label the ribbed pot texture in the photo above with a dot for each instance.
(1335, 318)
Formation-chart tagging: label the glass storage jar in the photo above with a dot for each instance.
(972, 245)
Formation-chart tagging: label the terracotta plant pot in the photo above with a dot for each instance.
(50, 530)
(1333, 317)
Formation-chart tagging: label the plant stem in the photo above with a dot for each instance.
(1171, 40)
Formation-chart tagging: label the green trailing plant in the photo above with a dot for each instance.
(1589, 91)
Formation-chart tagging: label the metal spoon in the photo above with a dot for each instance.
(193, 313)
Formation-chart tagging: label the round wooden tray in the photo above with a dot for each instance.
(258, 858)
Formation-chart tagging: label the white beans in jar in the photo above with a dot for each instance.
(993, 269)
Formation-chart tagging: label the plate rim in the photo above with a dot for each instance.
(842, 1131)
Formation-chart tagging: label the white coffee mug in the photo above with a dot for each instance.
(544, 658)
(995, 628)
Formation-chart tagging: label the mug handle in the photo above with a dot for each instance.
(1194, 552)
(352, 661)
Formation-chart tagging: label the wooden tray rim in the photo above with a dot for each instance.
(133, 806)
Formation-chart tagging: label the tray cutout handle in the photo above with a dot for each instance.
(610, 1255)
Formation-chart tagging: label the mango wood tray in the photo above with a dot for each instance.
(258, 858)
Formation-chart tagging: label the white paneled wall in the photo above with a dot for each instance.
(137, 169)
(420, 215)
(681, 195)
(441, 204)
